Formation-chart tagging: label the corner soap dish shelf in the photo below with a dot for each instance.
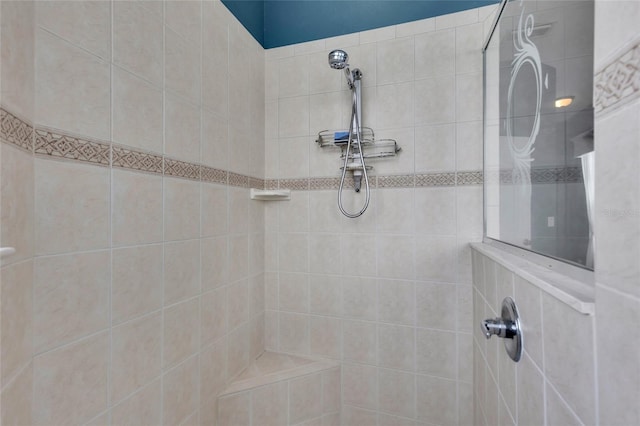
(270, 194)
(6, 252)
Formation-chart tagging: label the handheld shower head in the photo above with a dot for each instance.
(338, 59)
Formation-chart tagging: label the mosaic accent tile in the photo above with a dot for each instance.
(469, 178)
(72, 148)
(236, 179)
(136, 160)
(540, 175)
(574, 174)
(181, 169)
(401, 181)
(619, 82)
(16, 131)
(436, 179)
(294, 184)
(556, 175)
(506, 176)
(547, 175)
(324, 183)
(256, 183)
(271, 184)
(209, 174)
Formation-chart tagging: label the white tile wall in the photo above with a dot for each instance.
(378, 291)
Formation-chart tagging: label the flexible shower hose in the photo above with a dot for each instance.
(354, 121)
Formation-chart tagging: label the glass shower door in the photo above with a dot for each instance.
(538, 68)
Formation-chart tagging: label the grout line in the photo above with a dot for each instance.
(65, 345)
(200, 232)
(111, 216)
(164, 219)
(596, 381)
(543, 361)
(618, 293)
(7, 382)
(94, 55)
(567, 406)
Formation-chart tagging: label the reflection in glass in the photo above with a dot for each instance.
(539, 129)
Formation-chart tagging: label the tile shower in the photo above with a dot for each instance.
(145, 280)
(151, 264)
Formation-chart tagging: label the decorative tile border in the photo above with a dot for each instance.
(548, 175)
(209, 174)
(16, 131)
(618, 82)
(181, 169)
(324, 183)
(294, 184)
(469, 178)
(72, 148)
(540, 175)
(271, 184)
(391, 181)
(134, 160)
(573, 175)
(436, 179)
(556, 175)
(256, 183)
(236, 179)
(398, 181)
(47, 143)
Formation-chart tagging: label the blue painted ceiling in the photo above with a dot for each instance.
(276, 23)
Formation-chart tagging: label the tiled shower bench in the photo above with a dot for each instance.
(283, 390)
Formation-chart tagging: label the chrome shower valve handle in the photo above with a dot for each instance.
(499, 327)
(506, 327)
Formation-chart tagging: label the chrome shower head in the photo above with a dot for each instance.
(338, 59)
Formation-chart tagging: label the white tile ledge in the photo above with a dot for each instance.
(574, 293)
(6, 252)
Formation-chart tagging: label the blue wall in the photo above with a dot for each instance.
(287, 22)
(251, 14)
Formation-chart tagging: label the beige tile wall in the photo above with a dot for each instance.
(389, 293)
(17, 212)
(134, 296)
(554, 383)
(617, 54)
